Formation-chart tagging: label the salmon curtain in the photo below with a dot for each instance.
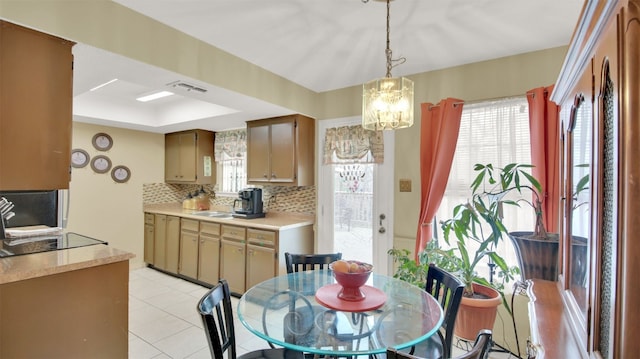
(438, 137)
(545, 128)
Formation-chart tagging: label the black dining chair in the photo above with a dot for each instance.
(217, 319)
(304, 262)
(447, 289)
(296, 263)
(480, 349)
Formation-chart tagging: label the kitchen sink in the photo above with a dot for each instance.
(212, 214)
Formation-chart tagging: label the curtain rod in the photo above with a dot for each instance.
(454, 104)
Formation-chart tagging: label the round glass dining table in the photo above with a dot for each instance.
(302, 311)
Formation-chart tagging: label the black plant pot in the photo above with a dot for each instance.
(537, 258)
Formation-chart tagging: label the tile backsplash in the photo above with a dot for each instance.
(275, 198)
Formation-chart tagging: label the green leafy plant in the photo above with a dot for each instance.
(414, 272)
(492, 184)
(479, 220)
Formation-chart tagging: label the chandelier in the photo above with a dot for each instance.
(387, 103)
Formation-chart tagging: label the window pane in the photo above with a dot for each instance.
(232, 175)
(495, 132)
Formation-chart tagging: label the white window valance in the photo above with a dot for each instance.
(230, 145)
(353, 144)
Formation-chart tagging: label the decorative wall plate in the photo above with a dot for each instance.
(101, 164)
(102, 141)
(121, 174)
(79, 158)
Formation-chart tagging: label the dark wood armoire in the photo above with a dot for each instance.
(592, 310)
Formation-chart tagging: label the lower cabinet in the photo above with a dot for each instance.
(166, 242)
(205, 251)
(233, 258)
(209, 253)
(261, 259)
(149, 237)
(189, 248)
(200, 250)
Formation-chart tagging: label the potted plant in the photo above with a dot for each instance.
(536, 250)
(473, 225)
(482, 297)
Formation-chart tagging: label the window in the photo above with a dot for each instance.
(230, 153)
(494, 132)
(232, 174)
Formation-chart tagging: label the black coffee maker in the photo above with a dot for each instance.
(249, 204)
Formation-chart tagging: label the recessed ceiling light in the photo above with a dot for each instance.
(103, 85)
(154, 96)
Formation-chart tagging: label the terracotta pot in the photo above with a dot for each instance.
(475, 314)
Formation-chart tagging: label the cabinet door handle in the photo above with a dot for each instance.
(264, 175)
(273, 175)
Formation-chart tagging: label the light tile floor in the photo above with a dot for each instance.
(164, 323)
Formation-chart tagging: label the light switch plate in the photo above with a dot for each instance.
(405, 185)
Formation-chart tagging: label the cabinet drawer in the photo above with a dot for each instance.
(261, 238)
(209, 228)
(233, 232)
(149, 218)
(189, 225)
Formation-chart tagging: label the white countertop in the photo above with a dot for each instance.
(272, 220)
(13, 269)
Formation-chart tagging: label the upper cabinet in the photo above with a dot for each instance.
(189, 157)
(280, 151)
(36, 82)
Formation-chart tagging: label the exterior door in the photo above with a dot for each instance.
(355, 205)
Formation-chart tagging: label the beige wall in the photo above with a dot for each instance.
(101, 208)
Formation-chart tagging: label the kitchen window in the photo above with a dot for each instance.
(494, 132)
(231, 152)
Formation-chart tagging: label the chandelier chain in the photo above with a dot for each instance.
(388, 51)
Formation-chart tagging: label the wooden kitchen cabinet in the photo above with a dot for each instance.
(200, 251)
(262, 261)
(36, 81)
(589, 309)
(166, 242)
(209, 253)
(280, 151)
(189, 248)
(233, 257)
(149, 237)
(259, 257)
(189, 157)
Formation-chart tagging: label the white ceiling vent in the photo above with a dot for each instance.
(186, 86)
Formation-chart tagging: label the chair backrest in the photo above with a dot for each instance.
(217, 318)
(480, 348)
(447, 289)
(479, 351)
(297, 263)
(304, 262)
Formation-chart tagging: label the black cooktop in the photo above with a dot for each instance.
(28, 245)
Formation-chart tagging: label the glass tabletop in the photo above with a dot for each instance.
(301, 311)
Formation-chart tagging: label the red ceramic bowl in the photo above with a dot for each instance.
(353, 280)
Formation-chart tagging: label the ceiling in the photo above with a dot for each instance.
(322, 45)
